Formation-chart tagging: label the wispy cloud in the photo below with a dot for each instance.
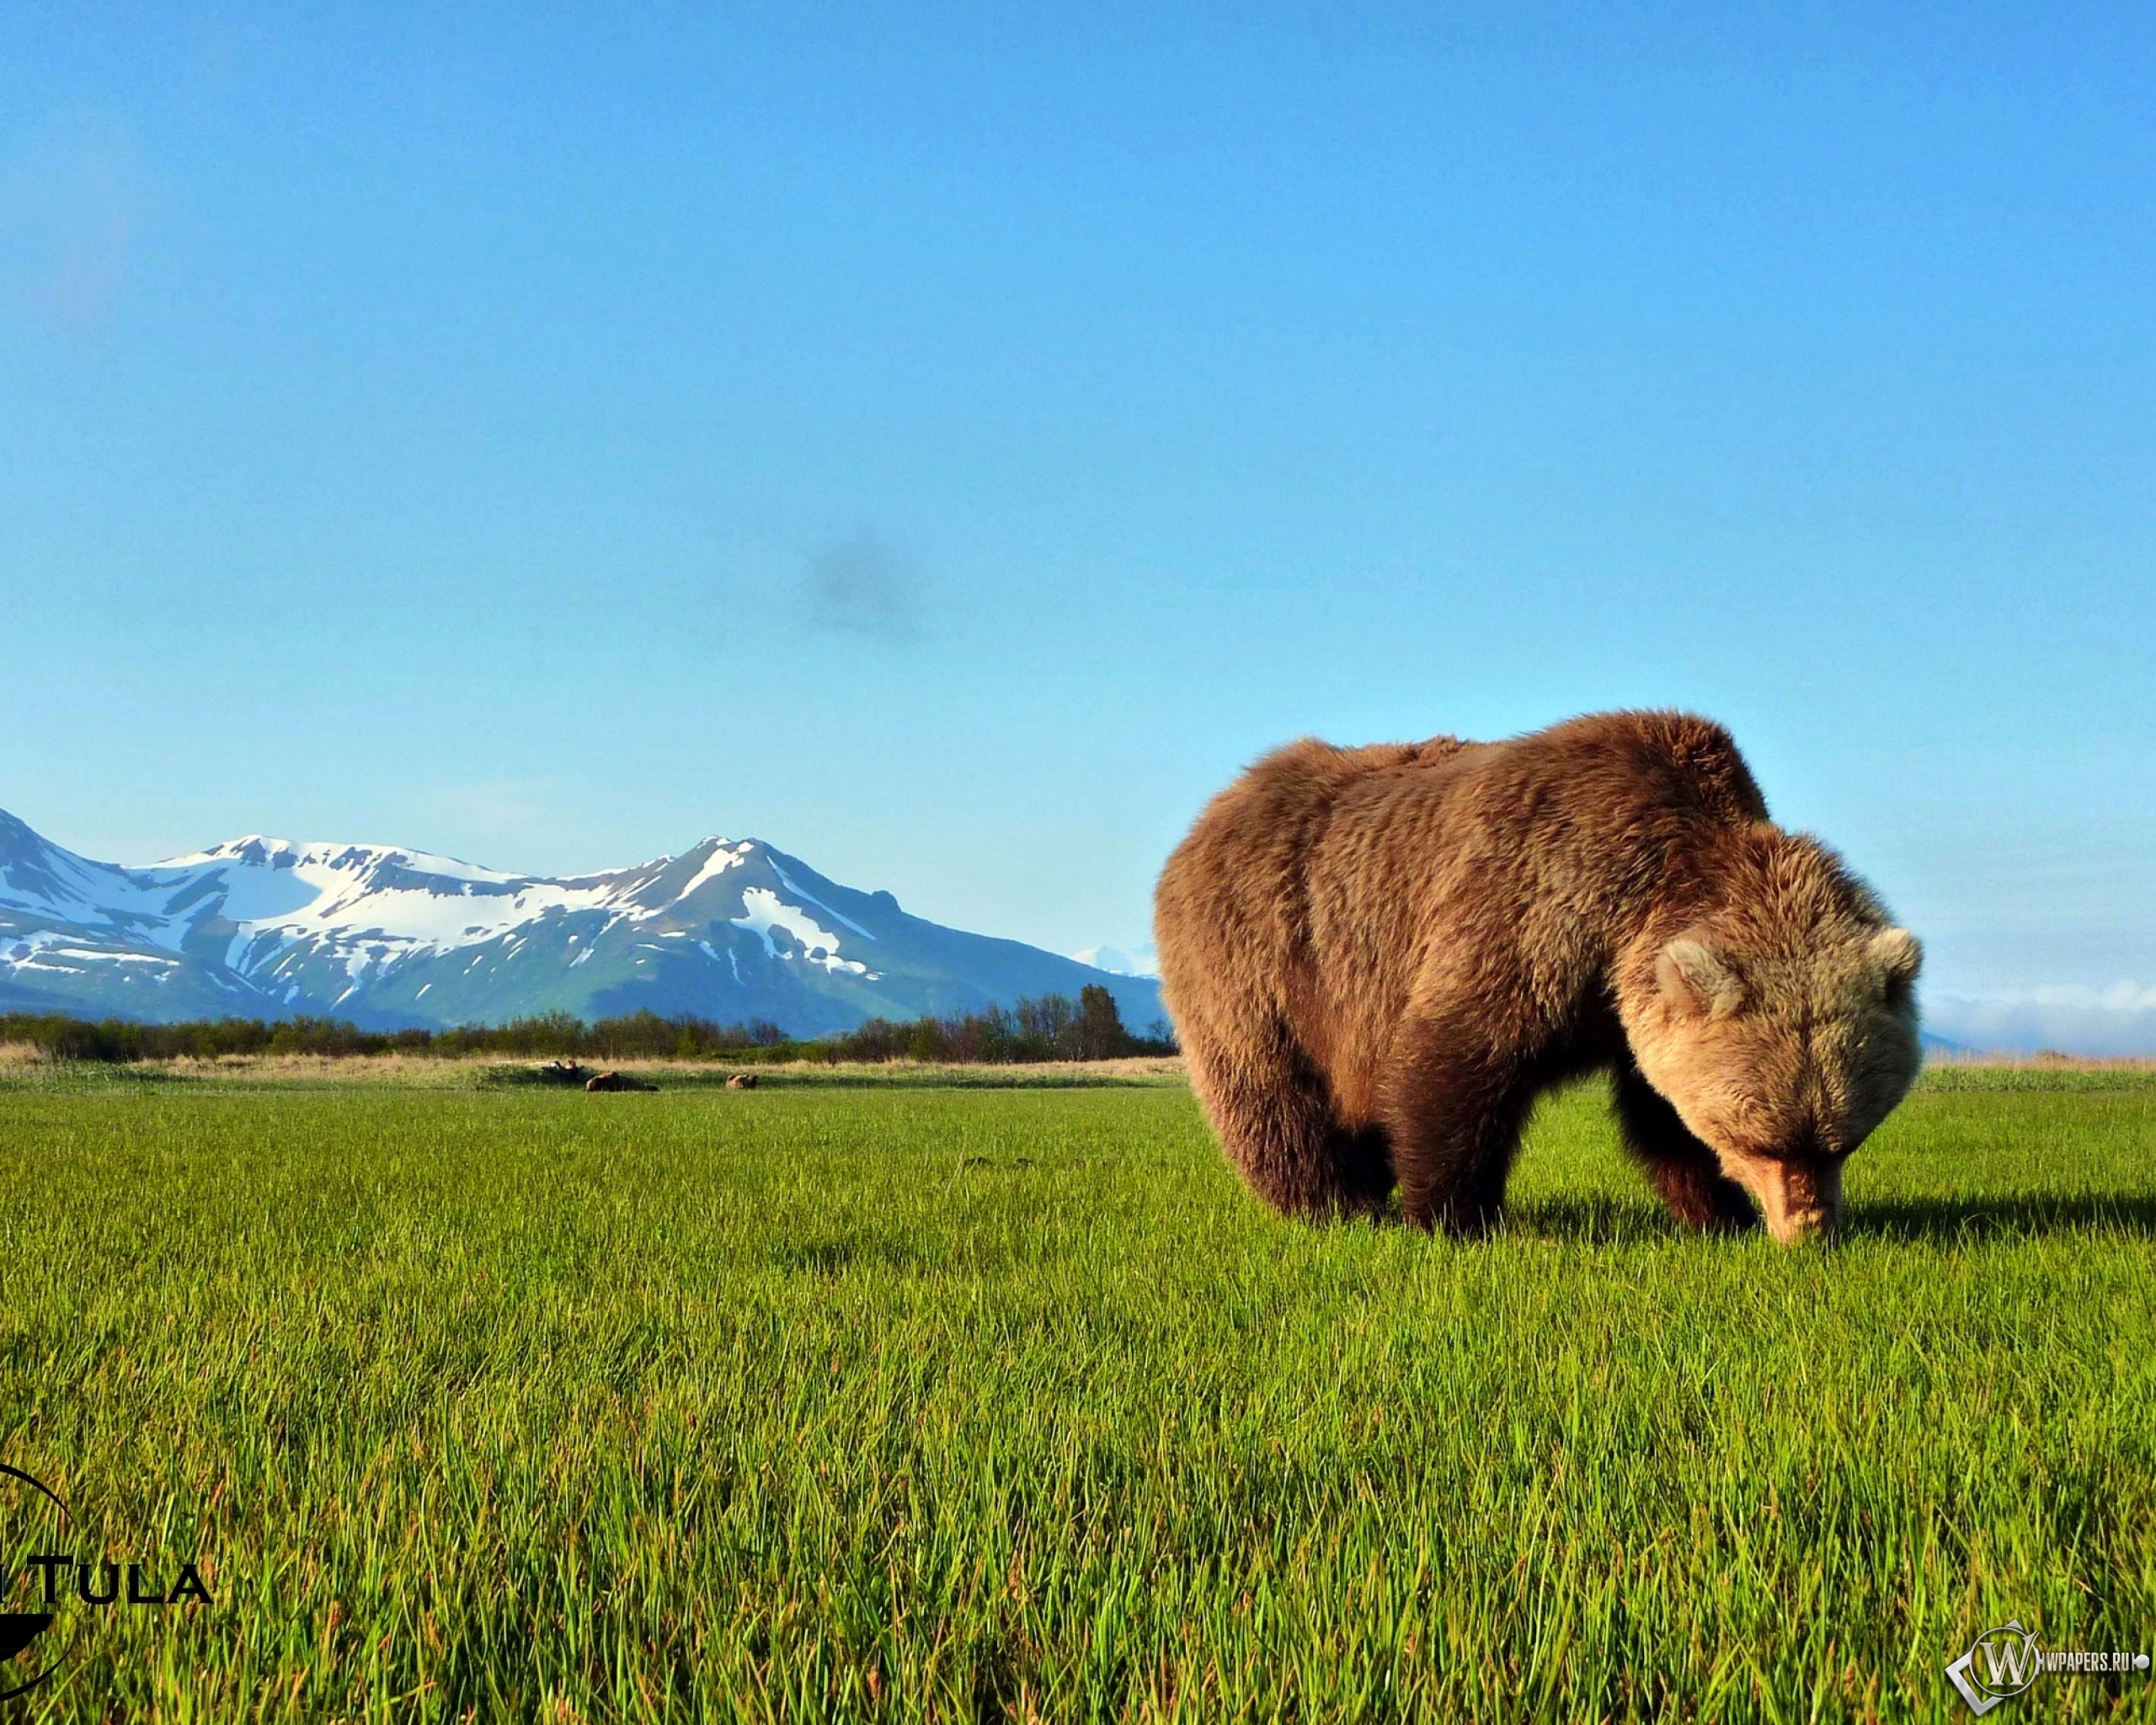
(69, 196)
(1120, 961)
(863, 585)
(2119, 1019)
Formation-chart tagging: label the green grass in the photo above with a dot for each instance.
(865, 1402)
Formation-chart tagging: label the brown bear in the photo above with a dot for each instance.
(1376, 958)
(616, 1080)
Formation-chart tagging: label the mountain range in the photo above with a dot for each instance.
(388, 937)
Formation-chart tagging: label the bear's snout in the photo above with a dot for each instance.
(1799, 1197)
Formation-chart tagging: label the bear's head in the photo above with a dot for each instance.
(1780, 1022)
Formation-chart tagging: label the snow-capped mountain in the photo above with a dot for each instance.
(1144, 962)
(263, 927)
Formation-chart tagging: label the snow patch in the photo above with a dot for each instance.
(764, 910)
(801, 892)
(115, 958)
(709, 951)
(722, 858)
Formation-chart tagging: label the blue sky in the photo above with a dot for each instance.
(948, 442)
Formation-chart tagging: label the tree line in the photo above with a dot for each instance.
(1053, 1027)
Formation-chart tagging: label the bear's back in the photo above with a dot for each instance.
(1261, 831)
(1327, 872)
(1232, 908)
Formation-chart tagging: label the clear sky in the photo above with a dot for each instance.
(948, 442)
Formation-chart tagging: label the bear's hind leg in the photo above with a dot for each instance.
(1269, 1105)
(1683, 1169)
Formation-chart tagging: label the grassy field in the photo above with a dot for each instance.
(859, 1401)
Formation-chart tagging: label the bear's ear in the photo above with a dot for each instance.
(1696, 979)
(1899, 957)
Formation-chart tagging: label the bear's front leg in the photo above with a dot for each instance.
(1452, 1107)
(1684, 1169)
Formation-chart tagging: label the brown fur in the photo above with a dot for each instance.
(1377, 958)
(742, 1081)
(616, 1080)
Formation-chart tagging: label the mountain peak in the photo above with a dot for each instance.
(1117, 962)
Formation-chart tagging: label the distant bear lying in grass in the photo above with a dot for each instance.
(1376, 958)
(616, 1080)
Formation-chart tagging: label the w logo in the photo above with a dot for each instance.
(2000, 1663)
